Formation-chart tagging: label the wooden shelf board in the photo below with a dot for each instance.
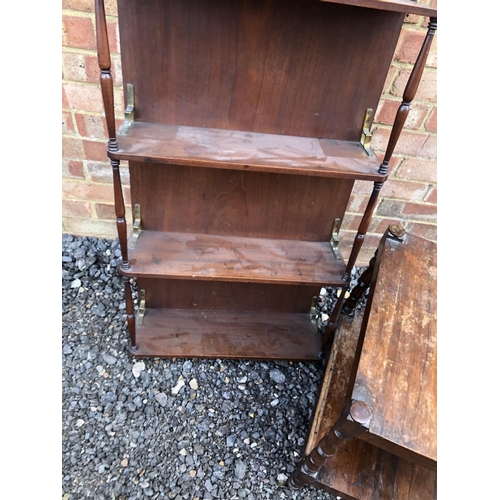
(237, 150)
(234, 258)
(406, 6)
(227, 334)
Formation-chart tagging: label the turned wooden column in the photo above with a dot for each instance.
(399, 121)
(106, 80)
(354, 420)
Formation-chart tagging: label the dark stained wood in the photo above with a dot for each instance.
(289, 67)
(129, 307)
(229, 96)
(407, 6)
(104, 61)
(227, 334)
(226, 295)
(236, 203)
(232, 149)
(357, 470)
(359, 290)
(234, 258)
(408, 95)
(356, 247)
(121, 222)
(397, 368)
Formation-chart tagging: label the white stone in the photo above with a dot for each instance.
(177, 387)
(138, 368)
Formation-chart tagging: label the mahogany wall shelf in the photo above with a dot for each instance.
(246, 125)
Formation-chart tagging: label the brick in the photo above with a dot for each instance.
(404, 190)
(95, 151)
(429, 148)
(92, 70)
(67, 123)
(105, 212)
(419, 211)
(103, 173)
(431, 196)
(431, 123)
(357, 203)
(409, 143)
(90, 227)
(427, 89)
(389, 79)
(88, 192)
(418, 170)
(78, 32)
(72, 169)
(76, 209)
(113, 38)
(91, 126)
(409, 45)
(390, 208)
(351, 222)
(74, 67)
(426, 231)
(72, 148)
(65, 102)
(92, 192)
(387, 111)
(116, 68)
(84, 97)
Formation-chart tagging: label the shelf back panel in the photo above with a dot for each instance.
(304, 68)
(226, 296)
(237, 203)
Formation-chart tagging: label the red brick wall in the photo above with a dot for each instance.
(409, 196)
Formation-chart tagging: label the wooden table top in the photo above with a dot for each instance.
(396, 375)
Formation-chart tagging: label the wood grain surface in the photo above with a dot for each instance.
(230, 203)
(226, 295)
(234, 258)
(397, 369)
(227, 334)
(297, 68)
(232, 149)
(359, 470)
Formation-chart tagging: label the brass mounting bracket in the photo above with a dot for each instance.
(142, 308)
(129, 109)
(334, 241)
(366, 134)
(136, 229)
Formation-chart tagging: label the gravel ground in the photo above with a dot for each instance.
(169, 428)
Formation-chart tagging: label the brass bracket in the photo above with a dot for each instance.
(366, 134)
(136, 229)
(142, 308)
(334, 241)
(129, 109)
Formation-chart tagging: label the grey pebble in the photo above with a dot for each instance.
(111, 360)
(277, 376)
(240, 469)
(162, 398)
